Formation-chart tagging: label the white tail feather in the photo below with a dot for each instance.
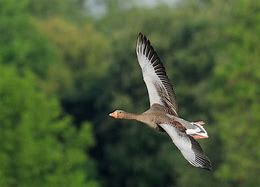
(197, 132)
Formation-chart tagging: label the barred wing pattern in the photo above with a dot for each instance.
(189, 147)
(159, 88)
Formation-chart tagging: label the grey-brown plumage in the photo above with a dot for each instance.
(162, 114)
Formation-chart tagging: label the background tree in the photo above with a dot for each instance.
(20, 43)
(39, 147)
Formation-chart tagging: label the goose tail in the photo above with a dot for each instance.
(198, 132)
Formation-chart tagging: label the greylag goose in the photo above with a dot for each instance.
(162, 114)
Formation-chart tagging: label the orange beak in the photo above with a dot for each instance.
(114, 114)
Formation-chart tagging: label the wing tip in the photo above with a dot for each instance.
(206, 164)
(141, 35)
(142, 38)
(143, 45)
(201, 160)
(139, 42)
(208, 167)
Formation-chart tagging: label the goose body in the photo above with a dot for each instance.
(162, 114)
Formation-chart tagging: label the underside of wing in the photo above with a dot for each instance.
(158, 85)
(190, 148)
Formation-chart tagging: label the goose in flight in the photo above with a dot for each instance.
(162, 114)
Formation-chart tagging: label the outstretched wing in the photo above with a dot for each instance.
(189, 147)
(158, 85)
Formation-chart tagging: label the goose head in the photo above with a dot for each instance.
(118, 114)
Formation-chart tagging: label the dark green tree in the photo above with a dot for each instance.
(20, 43)
(236, 94)
(38, 145)
(85, 61)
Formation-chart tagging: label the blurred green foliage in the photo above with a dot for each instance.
(63, 69)
(20, 43)
(39, 147)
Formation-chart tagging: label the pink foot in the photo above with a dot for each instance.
(199, 137)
